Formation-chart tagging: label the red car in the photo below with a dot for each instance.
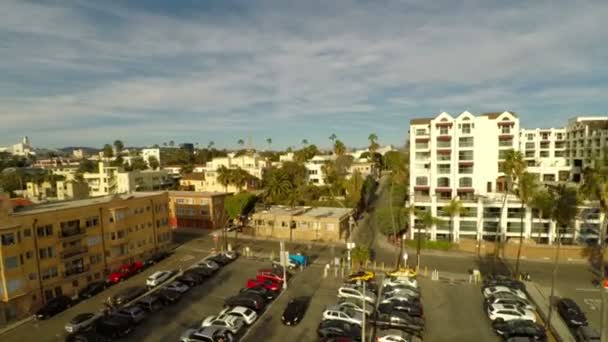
(268, 284)
(125, 271)
(270, 274)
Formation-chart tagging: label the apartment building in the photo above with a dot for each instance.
(587, 139)
(146, 153)
(316, 168)
(114, 180)
(53, 249)
(57, 191)
(460, 156)
(253, 164)
(303, 223)
(193, 182)
(202, 210)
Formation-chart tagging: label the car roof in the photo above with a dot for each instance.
(240, 309)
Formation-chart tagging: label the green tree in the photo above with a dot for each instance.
(186, 169)
(353, 187)
(241, 143)
(86, 166)
(360, 255)
(108, 152)
(210, 144)
(453, 208)
(513, 167)
(306, 153)
(240, 178)
(11, 182)
(240, 204)
(373, 143)
(565, 202)
(153, 162)
(224, 177)
(305, 142)
(279, 186)
(333, 137)
(118, 146)
(543, 202)
(269, 142)
(525, 190)
(339, 148)
(427, 220)
(171, 143)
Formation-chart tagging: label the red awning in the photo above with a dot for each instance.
(443, 124)
(505, 136)
(443, 189)
(421, 187)
(465, 163)
(506, 123)
(422, 139)
(466, 190)
(444, 151)
(444, 138)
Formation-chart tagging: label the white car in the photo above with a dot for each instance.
(248, 315)
(395, 335)
(178, 287)
(505, 312)
(403, 290)
(392, 281)
(158, 278)
(488, 291)
(350, 292)
(343, 314)
(231, 323)
(210, 264)
(356, 305)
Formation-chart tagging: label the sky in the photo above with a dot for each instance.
(83, 73)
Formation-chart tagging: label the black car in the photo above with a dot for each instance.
(587, 334)
(200, 278)
(169, 297)
(329, 329)
(86, 336)
(571, 313)
(501, 280)
(221, 259)
(247, 300)
(155, 258)
(295, 310)
(113, 327)
(202, 271)
(92, 289)
(188, 279)
(53, 307)
(261, 291)
(151, 303)
(127, 295)
(410, 308)
(399, 320)
(520, 328)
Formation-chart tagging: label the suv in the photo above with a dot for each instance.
(91, 289)
(53, 307)
(520, 328)
(127, 295)
(341, 313)
(113, 327)
(350, 292)
(209, 334)
(134, 313)
(501, 313)
(151, 303)
(571, 313)
(81, 322)
(247, 300)
(507, 298)
(125, 271)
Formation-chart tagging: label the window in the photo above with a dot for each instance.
(530, 146)
(421, 181)
(560, 136)
(465, 142)
(468, 226)
(444, 157)
(422, 145)
(329, 226)
(46, 253)
(419, 156)
(466, 128)
(544, 154)
(29, 254)
(13, 285)
(421, 131)
(27, 232)
(8, 239)
(443, 182)
(544, 144)
(465, 155)
(506, 130)
(465, 182)
(444, 144)
(530, 154)
(443, 169)
(505, 142)
(530, 136)
(94, 240)
(92, 221)
(49, 273)
(443, 130)
(95, 259)
(11, 262)
(44, 231)
(465, 169)
(548, 178)
(502, 154)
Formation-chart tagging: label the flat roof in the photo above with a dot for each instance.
(197, 193)
(318, 212)
(40, 208)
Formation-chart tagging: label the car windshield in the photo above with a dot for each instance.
(81, 318)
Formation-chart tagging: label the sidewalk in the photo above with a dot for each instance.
(14, 325)
(540, 297)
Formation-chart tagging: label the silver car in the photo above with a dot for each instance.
(133, 313)
(81, 322)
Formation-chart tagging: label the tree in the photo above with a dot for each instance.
(138, 163)
(513, 166)
(542, 201)
(306, 153)
(453, 208)
(11, 182)
(269, 142)
(240, 178)
(165, 144)
(373, 143)
(186, 169)
(427, 220)
(224, 176)
(278, 186)
(305, 142)
(353, 187)
(339, 148)
(118, 146)
(360, 255)
(565, 201)
(210, 144)
(153, 162)
(171, 143)
(333, 137)
(240, 204)
(241, 142)
(525, 190)
(108, 152)
(86, 166)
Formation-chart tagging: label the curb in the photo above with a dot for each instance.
(16, 325)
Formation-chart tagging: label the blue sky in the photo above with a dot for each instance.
(89, 72)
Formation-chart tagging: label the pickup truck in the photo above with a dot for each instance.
(125, 271)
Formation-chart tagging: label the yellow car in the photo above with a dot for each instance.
(402, 272)
(362, 275)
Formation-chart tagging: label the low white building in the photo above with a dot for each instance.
(382, 150)
(253, 164)
(316, 169)
(23, 149)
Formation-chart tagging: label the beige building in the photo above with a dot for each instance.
(193, 182)
(254, 164)
(58, 191)
(191, 209)
(303, 223)
(53, 249)
(364, 167)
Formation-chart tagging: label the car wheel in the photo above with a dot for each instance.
(499, 320)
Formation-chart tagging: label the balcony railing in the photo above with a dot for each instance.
(67, 233)
(71, 252)
(75, 271)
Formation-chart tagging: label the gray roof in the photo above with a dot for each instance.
(319, 212)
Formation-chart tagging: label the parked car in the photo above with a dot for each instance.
(158, 278)
(261, 291)
(402, 290)
(221, 259)
(232, 255)
(499, 280)
(571, 313)
(177, 286)
(362, 275)
(248, 315)
(169, 297)
(91, 289)
(270, 275)
(134, 313)
(243, 299)
(500, 312)
(336, 312)
(408, 308)
(113, 327)
(520, 328)
(398, 320)
(586, 333)
(231, 323)
(391, 281)
(488, 291)
(53, 307)
(209, 334)
(508, 298)
(202, 271)
(350, 292)
(156, 258)
(86, 336)
(127, 295)
(189, 279)
(338, 329)
(401, 298)
(295, 310)
(151, 303)
(356, 305)
(208, 264)
(83, 321)
(268, 284)
(125, 271)
(395, 335)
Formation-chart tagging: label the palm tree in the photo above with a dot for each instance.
(108, 152)
(269, 142)
(453, 208)
(526, 188)
(224, 176)
(513, 167)
(542, 202)
(241, 143)
(373, 143)
(171, 143)
(565, 201)
(339, 148)
(427, 220)
(305, 142)
(333, 137)
(240, 178)
(210, 144)
(595, 187)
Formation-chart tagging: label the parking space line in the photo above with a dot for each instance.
(266, 309)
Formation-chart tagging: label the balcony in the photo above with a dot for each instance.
(72, 272)
(72, 252)
(71, 233)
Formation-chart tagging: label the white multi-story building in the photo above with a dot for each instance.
(587, 139)
(316, 168)
(23, 149)
(146, 153)
(254, 164)
(460, 156)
